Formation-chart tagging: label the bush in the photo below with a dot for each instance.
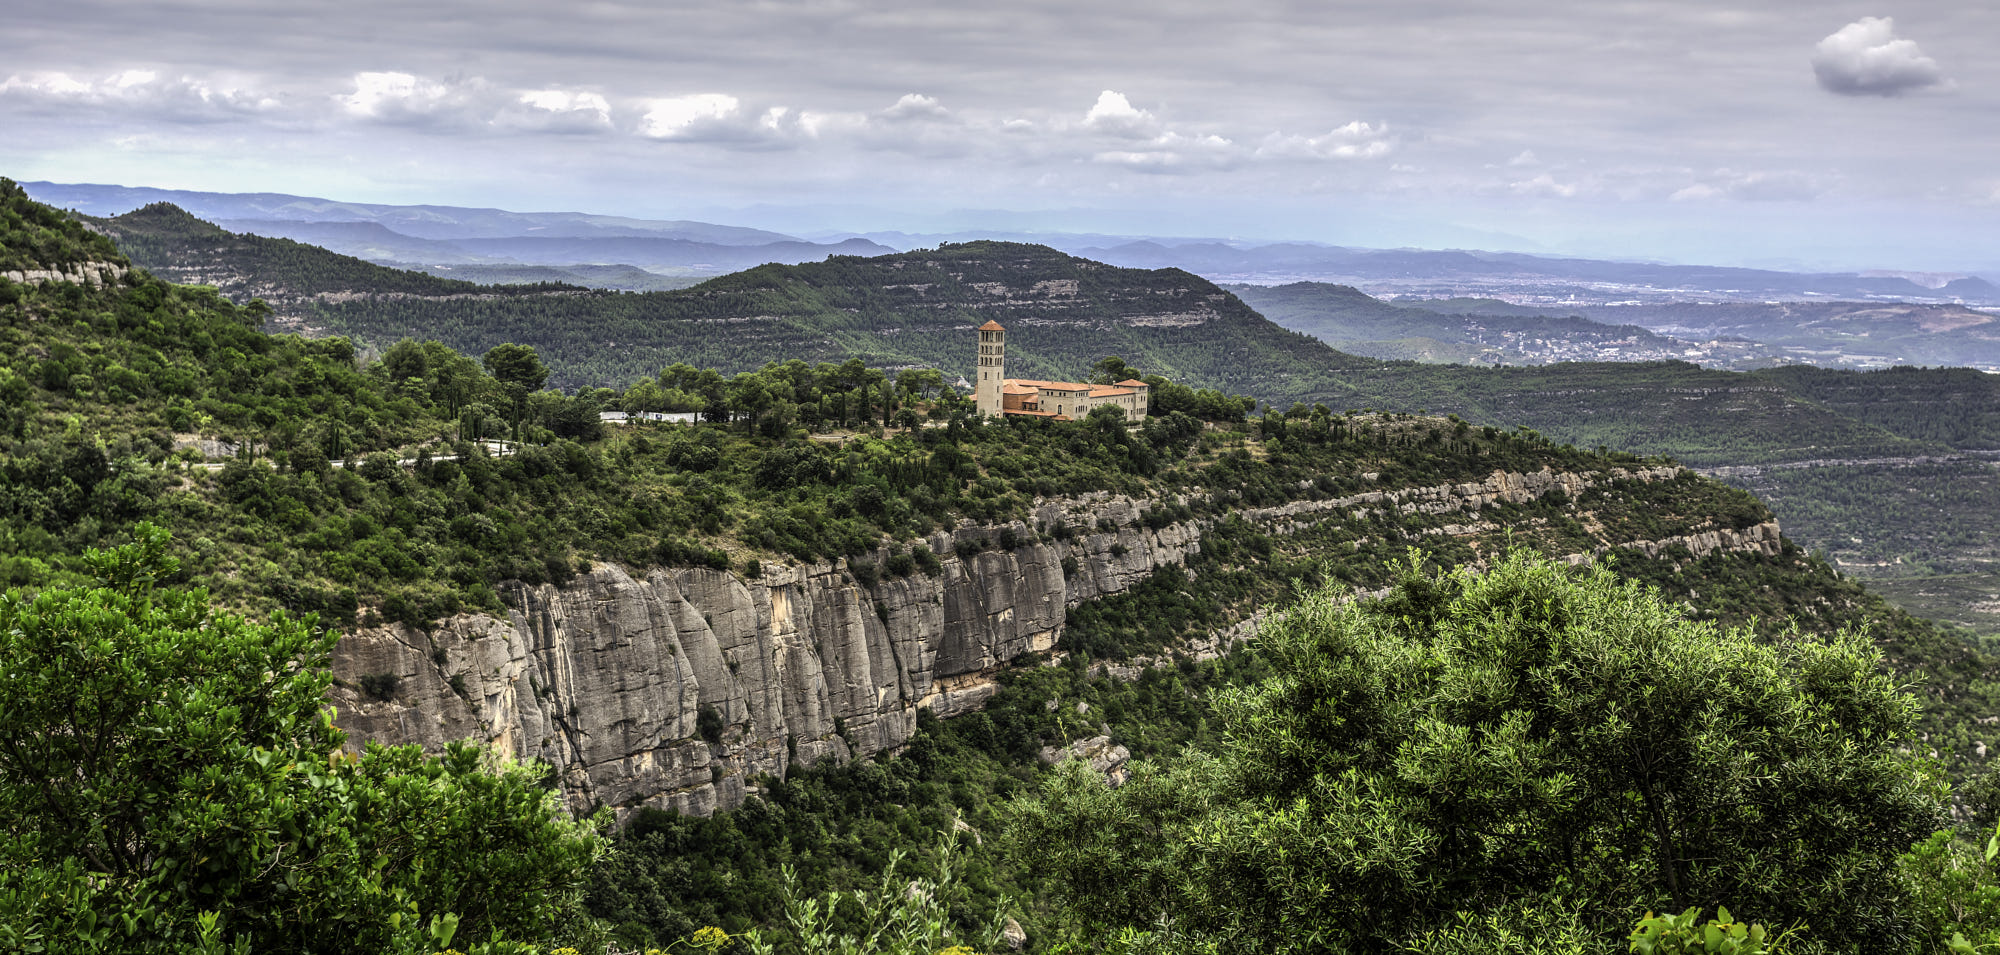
(380, 686)
(1480, 741)
(864, 571)
(708, 724)
(160, 761)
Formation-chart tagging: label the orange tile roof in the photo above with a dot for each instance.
(1037, 414)
(1132, 383)
(1010, 387)
(992, 326)
(1110, 392)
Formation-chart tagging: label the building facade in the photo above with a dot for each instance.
(995, 394)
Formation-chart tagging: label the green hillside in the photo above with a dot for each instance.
(175, 245)
(917, 309)
(359, 490)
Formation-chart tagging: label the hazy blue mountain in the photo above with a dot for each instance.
(365, 240)
(436, 234)
(423, 222)
(617, 278)
(1354, 322)
(1518, 276)
(659, 253)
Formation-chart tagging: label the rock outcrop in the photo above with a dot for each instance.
(677, 687)
(1099, 752)
(81, 273)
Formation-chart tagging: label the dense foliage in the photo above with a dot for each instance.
(171, 781)
(36, 237)
(1476, 743)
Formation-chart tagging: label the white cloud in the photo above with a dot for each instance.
(181, 98)
(1173, 152)
(1864, 58)
(1753, 187)
(1114, 115)
(1526, 158)
(700, 116)
(916, 106)
(1544, 185)
(553, 110)
(562, 101)
(405, 97)
(1356, 140)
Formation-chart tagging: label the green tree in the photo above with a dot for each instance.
(520, 373)
(170, 780)
(516, 365)
(1111, 370)
(1536, 735)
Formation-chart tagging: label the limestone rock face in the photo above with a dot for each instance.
(611, 678)
(674, 688)
(80, 273)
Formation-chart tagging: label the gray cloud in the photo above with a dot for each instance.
(1275, 111)
(1864, 58)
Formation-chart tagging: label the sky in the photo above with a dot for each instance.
(1778, 133)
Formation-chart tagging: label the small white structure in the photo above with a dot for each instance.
(662, 417)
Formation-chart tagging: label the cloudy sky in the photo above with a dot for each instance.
(1776, 132)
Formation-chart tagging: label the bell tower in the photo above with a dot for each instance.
(992, 368)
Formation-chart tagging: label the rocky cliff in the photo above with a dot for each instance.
(678, 687)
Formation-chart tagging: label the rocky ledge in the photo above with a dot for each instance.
(677, 687)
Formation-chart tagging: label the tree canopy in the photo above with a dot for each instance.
(1552, 743)
(171, 781)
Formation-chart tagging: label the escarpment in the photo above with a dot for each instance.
(677, 687)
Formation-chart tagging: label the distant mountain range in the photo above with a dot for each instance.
(422, 222)
(422, 236)
(431, 235)
(1528, 279)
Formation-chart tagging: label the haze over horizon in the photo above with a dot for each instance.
(1792, 135)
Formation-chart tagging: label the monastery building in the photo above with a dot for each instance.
(996, 394)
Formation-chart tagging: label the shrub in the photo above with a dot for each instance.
(1502, 737)
(708, 724)
(380, 686)
(863, 571)
(127, 852)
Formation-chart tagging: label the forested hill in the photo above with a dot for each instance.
(1063, 313)
(167, 241)
(35, 238)
(909, 309)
